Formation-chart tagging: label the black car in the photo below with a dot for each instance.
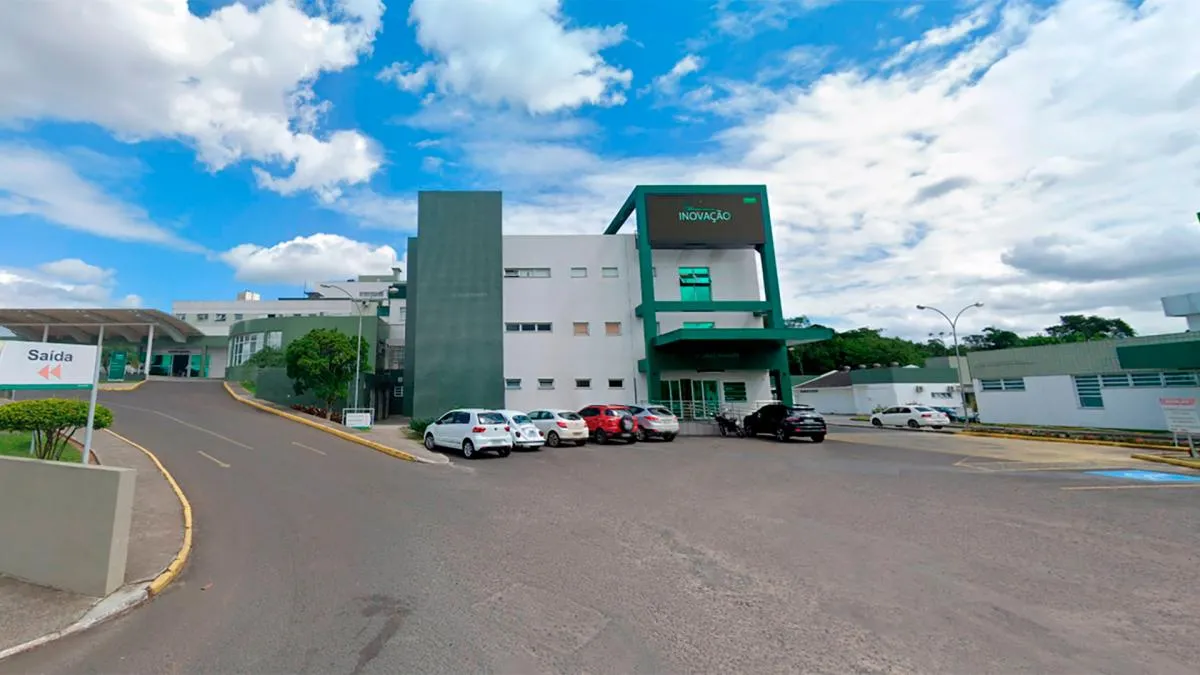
(784, 422)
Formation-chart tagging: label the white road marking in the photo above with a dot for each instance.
(186, 424)
(219, 463)
(308, 447)
(1131, 487)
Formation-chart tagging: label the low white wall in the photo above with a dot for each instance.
(1051, 401)
(831, 401)
(65, 525)
(862, 399)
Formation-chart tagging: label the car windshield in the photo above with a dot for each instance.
(663, 412)
(569, 416)
(919, 408)
(521, 419)
(491, 418)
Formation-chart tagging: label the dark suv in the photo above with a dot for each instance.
(606, 422)
(784, 422)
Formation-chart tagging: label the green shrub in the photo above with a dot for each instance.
(418, 427)
(52, 421)
(250, 386)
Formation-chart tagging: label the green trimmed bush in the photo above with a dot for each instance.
(52, 421)
(418, 427)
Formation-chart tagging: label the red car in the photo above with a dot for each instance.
(610, 421)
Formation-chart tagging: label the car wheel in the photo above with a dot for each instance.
(749, 430)
(818, 438)
(876, 422)
(468, 449)
(669, 437)
(781, 435)
(580, 444)
(601, 437)
(429, 444)
(913, 424)
(504, 452)
(552, 439)
(639, 435)
(723, 430)
(632, 439)
(937, 426)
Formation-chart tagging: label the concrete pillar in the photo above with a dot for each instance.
(149, 353)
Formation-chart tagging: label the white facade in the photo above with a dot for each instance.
(214, 317)
(1053, 400)
(863, 399)
(569, 318)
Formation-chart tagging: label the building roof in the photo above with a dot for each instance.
(837, 378)
(83, 325)
(1096, 357)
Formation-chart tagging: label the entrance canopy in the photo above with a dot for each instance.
(83, 325)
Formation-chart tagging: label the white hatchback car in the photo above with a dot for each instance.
(524, 433)
(471, 430)
(560, 426)
(911, 416)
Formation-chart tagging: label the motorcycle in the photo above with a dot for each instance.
(728, 423)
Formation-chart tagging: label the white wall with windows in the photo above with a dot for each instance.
(863, 399)
(570, 334)
(1108, 401)
(214, 317)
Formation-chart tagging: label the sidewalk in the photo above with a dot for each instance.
(846, 421)
(28, 611)
(393, 436)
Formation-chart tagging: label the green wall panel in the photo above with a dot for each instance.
(457, 342)
(410, 327)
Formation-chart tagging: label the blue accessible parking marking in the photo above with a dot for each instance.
(1149, 476)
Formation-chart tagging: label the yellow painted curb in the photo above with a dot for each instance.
(1076, 441)
(1189, 463)
(120, 386)
(379, 447)
(185, 550)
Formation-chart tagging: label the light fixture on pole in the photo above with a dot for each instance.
(357, 341)
(962, 394)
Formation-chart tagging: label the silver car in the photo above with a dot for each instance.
(655, 421)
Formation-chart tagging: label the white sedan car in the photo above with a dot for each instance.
(911, 416)
(560, 426)
(524, 433)
(471, 430)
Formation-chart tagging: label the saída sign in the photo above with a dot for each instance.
(705, 220)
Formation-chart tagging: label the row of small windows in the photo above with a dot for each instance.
(695, 283)
(544, 272)
(577, 328)
(514, 383)
(1089, 388)
(1007, 384)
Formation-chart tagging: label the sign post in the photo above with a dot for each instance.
(358, 418)
(116, 366)
(41, 365)
(1183, 417)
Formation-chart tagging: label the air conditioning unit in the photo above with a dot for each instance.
(918, 389)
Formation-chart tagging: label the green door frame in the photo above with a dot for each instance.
(771, 310)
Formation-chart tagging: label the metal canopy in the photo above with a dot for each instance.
(83, 325)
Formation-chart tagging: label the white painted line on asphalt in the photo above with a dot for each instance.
(186, 424)
(308, 447)
(204, 454)
(1126, 487)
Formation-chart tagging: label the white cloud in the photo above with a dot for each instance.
(746, 18)
(668, 82)
(44, 185)
(944, 36)
(61, 283)
(1053, 144)
(909, 12)
(236, 84)
(519, 53)
(317, 257)
(371, 209)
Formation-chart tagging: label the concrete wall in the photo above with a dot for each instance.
(65, 525)
(1051, 401)
(862, 399)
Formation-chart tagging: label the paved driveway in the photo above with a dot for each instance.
(703, 555)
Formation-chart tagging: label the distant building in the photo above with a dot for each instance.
(861, 391)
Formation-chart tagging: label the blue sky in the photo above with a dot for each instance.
(1040, 157)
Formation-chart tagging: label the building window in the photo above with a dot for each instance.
(1179, 379)
(202, 317)
(580, 327)
(735, 392)
(546, 383)
(583, 383)
(242, 347)
(616, 383)
(220, 318)
(237, 317)
(528, 327)
(275, 339)
(695, 284)
(1146, 379)
(512, 327)
(527, 272)
(699, 324)
(609, 272)
(398, 391)
(181, 317)
(1114, 381)
(1007, 384)
(612, 327)
(383, 311)
(1087, 390)
(578, 272)
(512, 383)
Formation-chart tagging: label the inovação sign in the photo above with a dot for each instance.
(712, 220)
(711, 215)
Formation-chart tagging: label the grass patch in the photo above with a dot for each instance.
(250, 386)
(1094, 430)
(16, 444)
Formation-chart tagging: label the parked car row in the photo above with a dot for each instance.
(476, 430)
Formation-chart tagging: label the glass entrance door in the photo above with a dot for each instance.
(691, 399)
(705, 401)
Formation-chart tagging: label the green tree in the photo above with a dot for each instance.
(52, 421)
(323, 362)
(268, 357)
(1081, 328)
(993, 338)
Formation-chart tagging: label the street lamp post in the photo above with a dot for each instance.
(357, 341)
(962, 393)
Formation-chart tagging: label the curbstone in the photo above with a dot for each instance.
(1076, 441)
(378, 447)
(1173, 461)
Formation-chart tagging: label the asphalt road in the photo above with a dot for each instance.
(695, 556)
